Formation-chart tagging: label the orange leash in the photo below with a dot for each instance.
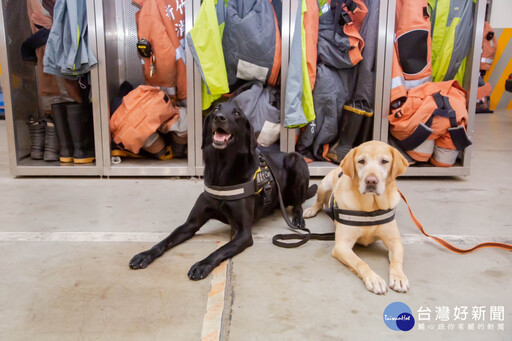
(448, 245)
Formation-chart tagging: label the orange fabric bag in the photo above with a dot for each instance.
(140, 115)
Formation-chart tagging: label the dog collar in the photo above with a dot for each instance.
(260, 182)
(359, 218)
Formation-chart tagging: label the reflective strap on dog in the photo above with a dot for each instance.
(234, 192)
(359, 218)
(261, 183)
(445, 243)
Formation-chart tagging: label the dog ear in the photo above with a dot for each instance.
(207, 130)
(347, 164)
(251, 139)
(399, 164)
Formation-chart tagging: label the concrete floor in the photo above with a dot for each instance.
(66, 244)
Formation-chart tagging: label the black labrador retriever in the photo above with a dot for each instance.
(231, 158)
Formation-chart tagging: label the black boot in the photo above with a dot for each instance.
(60, 119)
(82, 132)
(51, 143)
(37, 131)
(352, 121)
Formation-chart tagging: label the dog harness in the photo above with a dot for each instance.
(359, 218)
(261, 183)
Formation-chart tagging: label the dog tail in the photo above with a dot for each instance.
(311, 191)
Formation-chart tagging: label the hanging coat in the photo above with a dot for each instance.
(261, 106)
(340, 46)
(452, 30)
(67, 51)
(162, 23)
(252, 42)
(357, 116)
(489, 46)
(50, 88)
(412, 53)
(299, 107)
(205, 43)
(332, 90)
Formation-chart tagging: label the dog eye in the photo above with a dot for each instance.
(237, 114)
(361, 162)
(384, 161)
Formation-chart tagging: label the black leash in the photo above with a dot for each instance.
(302, 237)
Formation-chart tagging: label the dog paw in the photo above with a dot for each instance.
(310, 212)
(399, 282)
(299, 221)
(375, 284)
(200, 270)
(141, 260)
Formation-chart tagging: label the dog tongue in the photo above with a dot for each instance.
(221, 137)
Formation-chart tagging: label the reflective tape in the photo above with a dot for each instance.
(427, 147)
(412, 83)
(397, 82)
(444, 155)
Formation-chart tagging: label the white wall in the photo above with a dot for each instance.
(501, 14)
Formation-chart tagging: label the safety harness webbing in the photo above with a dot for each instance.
(261, 182)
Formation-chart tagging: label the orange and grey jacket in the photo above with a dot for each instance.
(412, 54)
(489, 46)
(431, 124)
(252, 42)
(162, 23)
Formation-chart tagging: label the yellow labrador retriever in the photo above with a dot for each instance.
(368, 185)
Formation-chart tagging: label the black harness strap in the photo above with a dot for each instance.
(347, 217)
(261, 183)
(359, 218)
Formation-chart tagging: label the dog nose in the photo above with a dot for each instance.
(372, 180)
(220, 117)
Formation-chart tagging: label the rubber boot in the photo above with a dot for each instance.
(37, 130)
(82, 132)
(351, 123)
(60, 120)
(155, 145)
(51, 143)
